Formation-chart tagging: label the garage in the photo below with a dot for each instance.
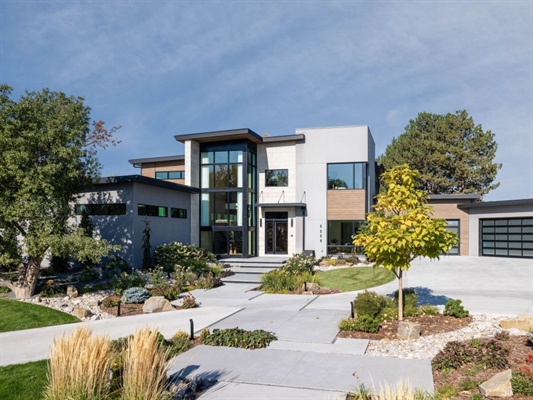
(507, 237)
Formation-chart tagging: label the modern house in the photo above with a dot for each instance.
(236, 193)
(273, 195)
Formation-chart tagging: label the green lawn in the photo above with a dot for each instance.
(350, 279)
(17, 315)
(23, 381)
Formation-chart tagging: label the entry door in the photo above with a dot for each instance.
(276, 234)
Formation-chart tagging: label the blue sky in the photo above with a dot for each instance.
(161, 68)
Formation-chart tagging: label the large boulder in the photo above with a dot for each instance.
(72, 292)
(81, 313)
(157, 303)
(522, 323)
(408, 330)
(498, 386)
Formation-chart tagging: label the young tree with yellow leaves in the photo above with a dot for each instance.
(401, 227)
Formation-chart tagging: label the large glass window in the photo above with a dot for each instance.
(228, 196)
(277, 177)
(221, 169)
(346, 176)
(340, 236)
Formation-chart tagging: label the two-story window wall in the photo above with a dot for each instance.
(228, 196)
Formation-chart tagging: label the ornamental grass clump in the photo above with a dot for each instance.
(79, 367)
(144, 374)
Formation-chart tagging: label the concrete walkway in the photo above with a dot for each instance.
(307, 362)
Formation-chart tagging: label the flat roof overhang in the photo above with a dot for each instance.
(281, 205)
(499, 203)
(156, 159)
(111, 180)
(217, 136)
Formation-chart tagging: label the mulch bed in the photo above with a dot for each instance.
(518, 350)
(518, 347)
(430, 325)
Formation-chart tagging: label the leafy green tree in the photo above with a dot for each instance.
(452, 154)
(47, 156)
(401, 227)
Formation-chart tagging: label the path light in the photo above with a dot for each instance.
(352, 315)
(192, 329)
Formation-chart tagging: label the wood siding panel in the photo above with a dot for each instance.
(346, 205)
(149, 169)
(448, 210)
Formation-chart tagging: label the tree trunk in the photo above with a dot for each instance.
(400, 295)
(25, 287)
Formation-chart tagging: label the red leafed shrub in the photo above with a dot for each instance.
(529, 358)
(525, 369)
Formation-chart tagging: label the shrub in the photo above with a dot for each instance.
(369, 303)
(389, 313)
(51, 289)
(277, 281)
(135, 295)
(529, 358)
(168, 291)
(79, 367)
(144, 374)
(207, 282)
(115, 266)
(492, 355)
(502, 335)
(157, 277)
(179, 278)
(410, 302)
(364, 323)
(171, 254)
(428, 309)
(236, 337)
(180, 343)
(455, 309)
(453, 356)
(204, 335)
(456, 354)
(522, 381)
(189, 301)
(299, 263)
(124, 281)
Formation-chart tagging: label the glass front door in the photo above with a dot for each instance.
(276, 231)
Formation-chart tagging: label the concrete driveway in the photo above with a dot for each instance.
(307, 362)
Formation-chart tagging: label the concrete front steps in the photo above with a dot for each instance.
(249, 270)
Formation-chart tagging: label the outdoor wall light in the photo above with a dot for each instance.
(260, 222)
(292, 219)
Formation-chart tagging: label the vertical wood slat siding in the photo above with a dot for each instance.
(346, 205)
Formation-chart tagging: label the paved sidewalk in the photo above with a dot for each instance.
(34, 344)
(297, 369)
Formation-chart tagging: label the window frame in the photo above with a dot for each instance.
(152, 211)
(276, 171)
(356, 175)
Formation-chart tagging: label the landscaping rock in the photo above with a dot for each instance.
(310, 287)
(408, 330)
(523, 323)
(498, 386)
(82, 313)
(157, 303)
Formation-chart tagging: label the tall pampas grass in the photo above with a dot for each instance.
(144, 374)
(79, 366)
